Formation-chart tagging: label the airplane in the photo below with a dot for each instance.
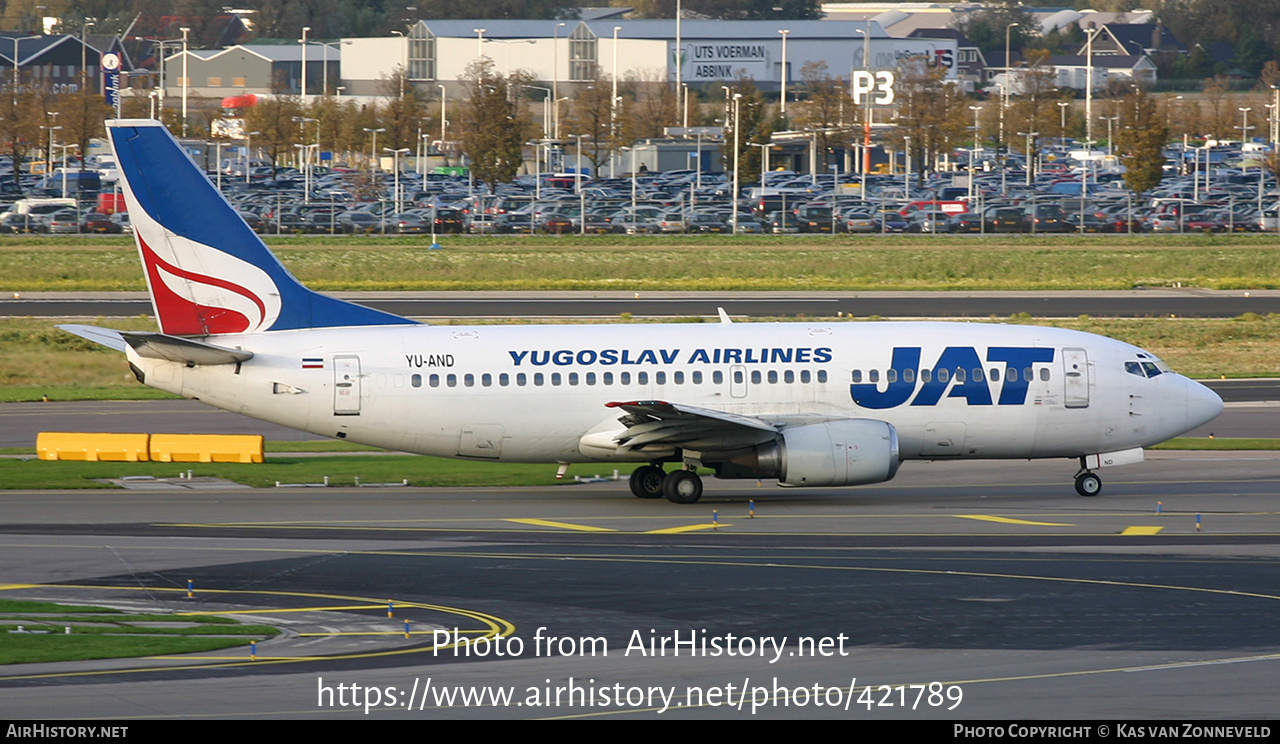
(808, 404)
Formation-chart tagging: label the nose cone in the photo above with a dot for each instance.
(1203, 405)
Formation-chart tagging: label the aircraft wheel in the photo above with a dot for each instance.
(1088, 484)
(646, 482)
(682, 487)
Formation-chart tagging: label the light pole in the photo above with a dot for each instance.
(577, 168)
(737, 158)
(395, 160)
(1088, 83)
(48, 158)
(555, 73)
(1111, 149)
(64, 149)
(1030, 162)
(248, 153)
(304, 155)
(324, 80)
(783, 73)
(1008, 78)
(373, 149)
(613, 100)
(443, 121)
(973, 160)
(866, 123)
(546, 109)
(303, 86)
(1062, 109)
(1275, 103)
(479, 32)
(1244, 124)
(185, 81)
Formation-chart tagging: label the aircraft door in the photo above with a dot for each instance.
(1075, 370)
(346, 385)
(738, 381)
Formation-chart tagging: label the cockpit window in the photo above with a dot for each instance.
(1151, 369)
(1148, 367)
(1134, 368)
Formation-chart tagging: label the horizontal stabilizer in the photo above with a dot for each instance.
(108, 337)
(185, 350)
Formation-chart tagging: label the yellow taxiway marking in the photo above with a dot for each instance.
(382, 606)
(686, 528)
(1009, 520)
(1138, 530)
(561, 525)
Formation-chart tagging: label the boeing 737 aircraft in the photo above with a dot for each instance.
(805, 403)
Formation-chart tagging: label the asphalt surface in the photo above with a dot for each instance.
(1130, 303)
(1020, 600)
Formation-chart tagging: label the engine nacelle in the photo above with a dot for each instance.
(846, 452)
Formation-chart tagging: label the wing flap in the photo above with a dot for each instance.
(663, 425)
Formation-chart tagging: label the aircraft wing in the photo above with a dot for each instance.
(658, 424)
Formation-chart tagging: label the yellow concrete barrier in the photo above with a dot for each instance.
(62, 445)
(206, 448)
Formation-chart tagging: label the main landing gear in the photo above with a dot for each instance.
(1087, 482)
(678, 486)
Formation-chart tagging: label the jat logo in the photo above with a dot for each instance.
(954, 371)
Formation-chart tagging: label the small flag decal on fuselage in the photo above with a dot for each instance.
(314, 363)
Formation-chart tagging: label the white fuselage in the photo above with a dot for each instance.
(530, 393)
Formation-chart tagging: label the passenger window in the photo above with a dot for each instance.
(521, 379)
(504, 379)
(926, 375)
(908, 375)
(755, 377)
(1044, 374)
(1012, 374)
(608, 378)
(660, 378)
(977, 374)
(434, 380)
(416, 380)
(538, 379)
(857, 375)
(697, 378)
(469, 380)
(960, 375)
(805, 376)
(486, 379)
(994, 375)
(944, 375)
(642, 378)
(678, 378)
(822, 375)
(874, 375)
(789, 376)
(591, 378)
(738, 376)
(891, 375)
(555, 379)
(625, 378)
(717, 377)
(451, 380)
(773, 377)
(1028, 374)
(573, 378)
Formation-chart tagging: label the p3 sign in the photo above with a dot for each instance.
(878, 85)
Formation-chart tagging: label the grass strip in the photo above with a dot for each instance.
(693, 263)
(105, 633)
(341, 471)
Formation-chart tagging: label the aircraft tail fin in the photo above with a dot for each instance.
(207, 271)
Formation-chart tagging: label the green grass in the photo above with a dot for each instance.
(1220, 443)
(341, 470)
(105, 633)
(700, 263)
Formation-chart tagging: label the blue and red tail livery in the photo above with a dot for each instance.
(208, 272)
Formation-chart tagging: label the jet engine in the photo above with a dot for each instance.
(844, 452)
